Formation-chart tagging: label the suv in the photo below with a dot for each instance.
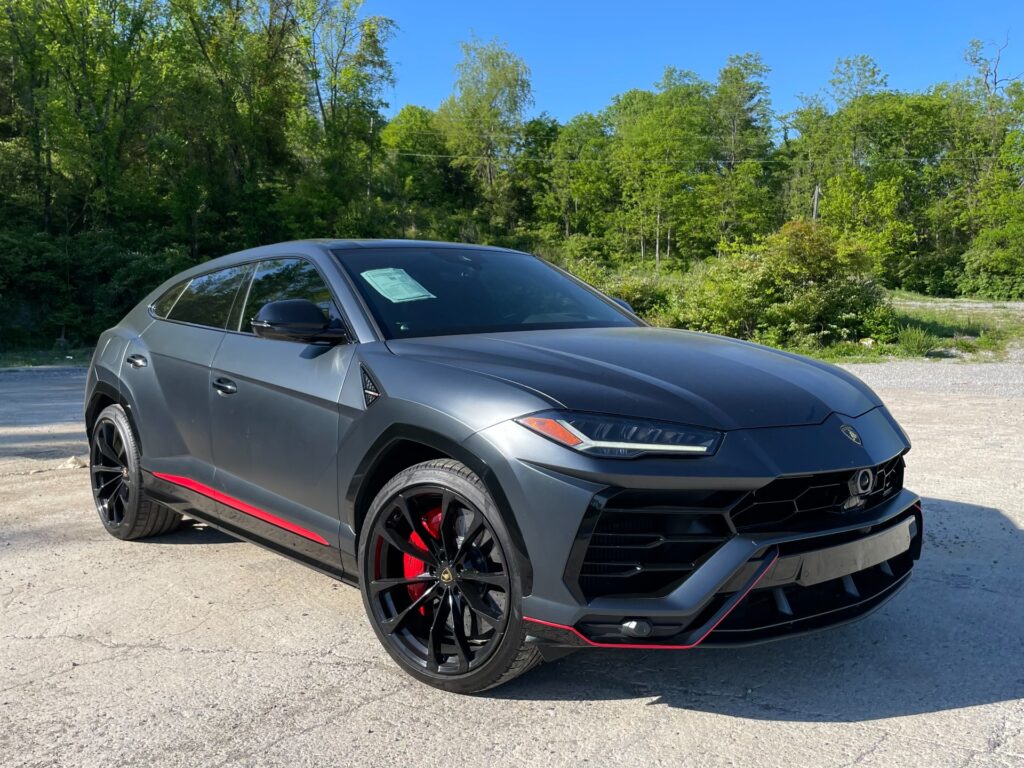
(508, 463)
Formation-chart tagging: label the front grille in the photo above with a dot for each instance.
(792, 502)
(647, 542)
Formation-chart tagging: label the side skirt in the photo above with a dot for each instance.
(217, 515)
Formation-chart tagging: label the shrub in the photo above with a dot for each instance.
(649, 294)
(794, 288)
(589, 270)
(994, 265)
(916, 340)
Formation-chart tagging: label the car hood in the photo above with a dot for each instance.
(680, 376)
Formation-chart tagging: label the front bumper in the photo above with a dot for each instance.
(762, 588)
(761, 577)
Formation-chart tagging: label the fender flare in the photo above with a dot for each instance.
(355, 497)
(106, 390)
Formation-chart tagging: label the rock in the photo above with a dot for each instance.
(74, 462)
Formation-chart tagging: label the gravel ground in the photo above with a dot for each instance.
(947, 377)
(195, 649)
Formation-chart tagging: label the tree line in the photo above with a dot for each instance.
(138, 137)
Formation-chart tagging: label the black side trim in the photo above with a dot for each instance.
(213, 513)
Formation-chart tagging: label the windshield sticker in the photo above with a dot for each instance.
(396, 285)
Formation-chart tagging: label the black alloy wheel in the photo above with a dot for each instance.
(116, 477)
(111, 481)
(437, 582)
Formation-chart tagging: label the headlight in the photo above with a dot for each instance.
(619, 437)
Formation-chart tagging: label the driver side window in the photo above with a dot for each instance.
(280, 279)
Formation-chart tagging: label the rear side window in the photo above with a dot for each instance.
(208, 299)
(163, 305)
(280, 279)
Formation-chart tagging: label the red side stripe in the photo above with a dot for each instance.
(241, 506)
(653, 646)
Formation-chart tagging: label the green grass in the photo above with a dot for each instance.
(937, 331)
(34, 357)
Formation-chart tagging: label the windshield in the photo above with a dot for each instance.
(441, 291)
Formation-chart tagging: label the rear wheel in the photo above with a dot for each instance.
(117, 481)
(438, 584)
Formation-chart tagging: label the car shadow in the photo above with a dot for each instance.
(194, 532)
(953, 638)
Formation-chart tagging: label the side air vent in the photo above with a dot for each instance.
(647, 542)
(370, 389)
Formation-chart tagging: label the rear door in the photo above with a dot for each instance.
(167, 372)
(276, 418)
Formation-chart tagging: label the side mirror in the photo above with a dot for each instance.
(295, 320)
(622, 303)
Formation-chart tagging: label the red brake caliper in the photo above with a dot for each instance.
(413, 567)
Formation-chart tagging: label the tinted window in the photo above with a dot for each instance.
(280, 279)
(438, 291)
(208, 298)
(163, 305)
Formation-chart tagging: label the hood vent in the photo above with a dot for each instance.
(370, 389)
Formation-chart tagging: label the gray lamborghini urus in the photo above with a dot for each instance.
(509, 464)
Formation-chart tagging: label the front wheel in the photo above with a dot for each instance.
(438, 584)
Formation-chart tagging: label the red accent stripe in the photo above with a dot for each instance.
(654, 646)
(241, 506)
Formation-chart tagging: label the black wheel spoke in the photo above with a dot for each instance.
(456, 606)
(498, 579)
(407, 547)
(477, 603)
(416, 523)
(449, 515)
(118, 445)
(476, 527)
(108, 450)
(485, 548)
(102, 487)
(390, 625)
(379, 585)
(110, 508)
(436, 637)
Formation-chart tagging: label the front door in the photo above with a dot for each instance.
(276, 420)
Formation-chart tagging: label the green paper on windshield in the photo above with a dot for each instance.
(396, 285)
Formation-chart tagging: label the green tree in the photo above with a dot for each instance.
(418, 179)
(483, 122)
(581, 193)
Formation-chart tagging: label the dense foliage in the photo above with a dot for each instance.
(140, 136)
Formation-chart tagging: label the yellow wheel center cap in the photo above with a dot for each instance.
(446, 575)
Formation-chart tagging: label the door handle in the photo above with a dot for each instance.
(136, 361)
(225, 386)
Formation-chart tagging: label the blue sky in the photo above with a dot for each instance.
(582, 53)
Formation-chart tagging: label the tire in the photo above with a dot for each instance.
(415, 522)
(116, 478)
